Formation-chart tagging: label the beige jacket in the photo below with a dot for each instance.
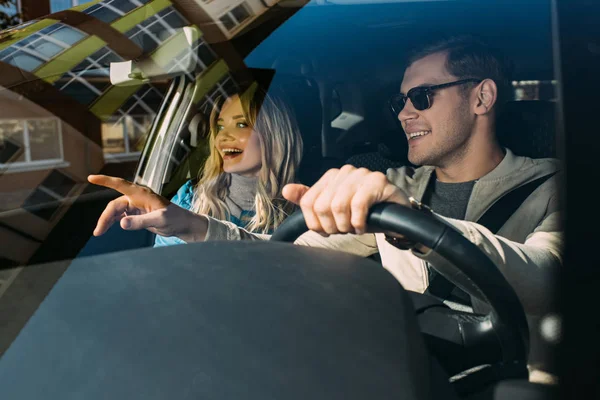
(528, 248)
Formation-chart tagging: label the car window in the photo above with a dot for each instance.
(335, 62)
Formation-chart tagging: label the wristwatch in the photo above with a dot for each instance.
(401, 242)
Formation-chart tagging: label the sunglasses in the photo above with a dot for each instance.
(420, 96)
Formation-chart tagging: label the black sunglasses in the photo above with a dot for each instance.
(420, 96)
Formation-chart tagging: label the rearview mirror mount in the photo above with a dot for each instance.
(174, 57)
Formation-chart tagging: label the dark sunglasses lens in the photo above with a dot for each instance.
(420, 100)
(397, 104)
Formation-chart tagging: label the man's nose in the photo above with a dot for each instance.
(407, 112)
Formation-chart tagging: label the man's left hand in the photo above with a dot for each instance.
(340, 201)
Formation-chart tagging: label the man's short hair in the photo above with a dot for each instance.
(471, 57)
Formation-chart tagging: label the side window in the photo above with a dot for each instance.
(534, 90)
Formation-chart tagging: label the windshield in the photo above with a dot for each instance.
(64, 114)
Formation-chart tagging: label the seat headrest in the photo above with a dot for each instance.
(528, 128)
(301, 95)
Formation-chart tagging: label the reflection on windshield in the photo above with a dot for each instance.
(62, 119)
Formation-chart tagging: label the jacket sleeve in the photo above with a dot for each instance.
(183, 198)
(360, 245)
(530, 267)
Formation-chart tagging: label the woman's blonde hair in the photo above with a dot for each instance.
(281, 148)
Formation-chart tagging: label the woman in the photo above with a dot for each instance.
(255, 150)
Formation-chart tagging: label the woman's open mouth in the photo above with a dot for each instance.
(231, 153)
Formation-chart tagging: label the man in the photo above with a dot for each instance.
(451, 93)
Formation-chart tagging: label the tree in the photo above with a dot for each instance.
(8, 19)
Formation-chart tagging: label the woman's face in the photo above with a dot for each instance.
(236, 141)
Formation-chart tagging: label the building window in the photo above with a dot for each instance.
(203, 56)
(236, 16)
(63, 34)
(83, 91)
(110, 10)
(144, 101)
(240, 13)
(206, 55)
(104, 14)
(40, 47)
(47, 198)
(223, 89)
(88, 80)
(124, 134)
(156, 29)
(60, 5)
(26, 142)
(123, 138)
(228, 22)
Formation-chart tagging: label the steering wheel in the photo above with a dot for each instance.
(468, 268)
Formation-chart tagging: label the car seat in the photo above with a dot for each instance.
(301, 95)
(528, 128)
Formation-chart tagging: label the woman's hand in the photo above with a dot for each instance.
(141, 208)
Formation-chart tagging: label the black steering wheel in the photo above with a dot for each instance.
(468, 268)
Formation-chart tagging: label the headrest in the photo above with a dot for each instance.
(528, 128)
(301, 95)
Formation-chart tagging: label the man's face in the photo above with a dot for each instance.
(438, 135)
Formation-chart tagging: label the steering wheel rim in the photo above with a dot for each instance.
(507, 316)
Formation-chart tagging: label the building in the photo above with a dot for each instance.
(60, 5)
(232, 16)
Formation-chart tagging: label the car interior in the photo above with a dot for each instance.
(343, 113)
(344, 118)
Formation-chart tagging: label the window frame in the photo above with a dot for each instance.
(34, 165)
(237, 23)
(126, 155)
(26, 47)
(158, 18)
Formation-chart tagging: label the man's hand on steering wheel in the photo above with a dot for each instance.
(340, 201)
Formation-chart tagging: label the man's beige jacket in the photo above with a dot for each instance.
(528, 249)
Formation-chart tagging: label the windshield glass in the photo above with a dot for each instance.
(67, 112)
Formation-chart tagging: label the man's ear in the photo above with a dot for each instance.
(486, 96)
